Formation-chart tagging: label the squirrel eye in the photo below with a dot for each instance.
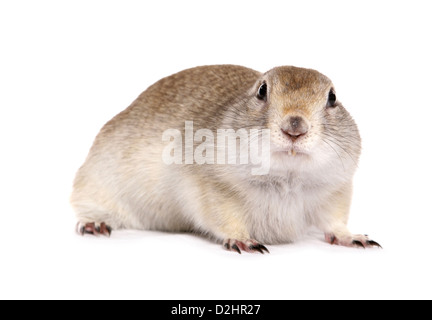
(331, 101)
(262, 92)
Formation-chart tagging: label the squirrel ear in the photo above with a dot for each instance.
(262, 92)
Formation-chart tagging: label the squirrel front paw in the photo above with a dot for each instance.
(93, 228)
(246, 245)
(359, 241)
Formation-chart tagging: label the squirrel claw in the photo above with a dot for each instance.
(93, 229)
(259, 247)
(359, 244)
(373, 243)
(247, 246)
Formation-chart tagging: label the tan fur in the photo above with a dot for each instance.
(125, 184)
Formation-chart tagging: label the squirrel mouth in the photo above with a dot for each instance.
(288, 149)
(293, 152)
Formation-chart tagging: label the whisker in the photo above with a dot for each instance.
(341, 147)
(340, 158)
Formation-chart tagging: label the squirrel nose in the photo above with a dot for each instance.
(295, 127)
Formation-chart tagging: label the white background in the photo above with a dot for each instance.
(67, 67)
